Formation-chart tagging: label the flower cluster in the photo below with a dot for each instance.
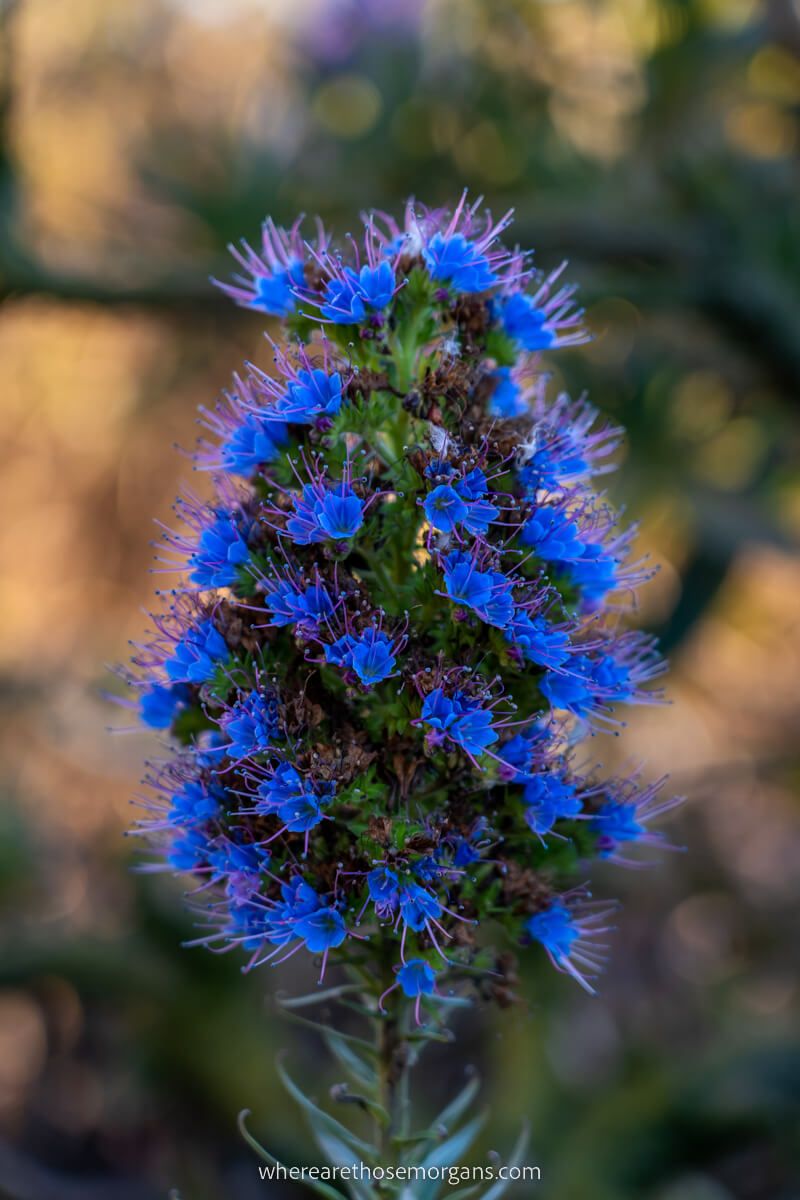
(396, 619)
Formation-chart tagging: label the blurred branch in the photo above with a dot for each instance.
(759, 314)
(702, 578)
(8, 179)
(21, 276)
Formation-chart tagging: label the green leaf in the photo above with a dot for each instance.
(338, 1154)
(291, 1002)
(251, 1141)
(440, 1127)
(320, 1120)
(316, 1185)
(352, 1062)
(322, 1029)
(501, 347)
(501, 1186)
(458, 1105)
(448, 1153)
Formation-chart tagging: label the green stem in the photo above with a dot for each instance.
(393, 1062)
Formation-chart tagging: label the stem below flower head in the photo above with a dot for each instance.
(393, 1054)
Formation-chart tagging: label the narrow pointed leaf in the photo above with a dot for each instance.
(319, 1118)
(322, 1029)
(445, 1121)
(316, 1185)
(459, 1105)
(448, 1153)
(501, 1186)
(335, 993)
(347, 1057)
(339, 1154)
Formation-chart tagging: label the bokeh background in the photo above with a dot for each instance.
(654, 143)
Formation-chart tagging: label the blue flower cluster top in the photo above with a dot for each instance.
(396, 619)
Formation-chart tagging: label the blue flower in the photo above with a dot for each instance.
(507, 399)
(315, 604)
(344, 303)
(537, 640)
(303, 528)
(377, 285)
(349, 297)
(416, 978)
(247, 926)
(159, 705)
(301, 814)
(197, 655)
(340, 652)
(299, 898)
(188, 852)
(460, 719)
(455, 260)
(549, 798)
(251, 726)
(559, 460)
(257, 440)
(525, 323)
(417, 906)
(369, 655)
(221, 553)
(312, 395)
(473, 731)
(285, 603)
(321, 930)
(568, 937)
(233, 859)
(594, 681)
(384, 890)
(592, 566)
(427, 869)
(340, 514)
(571, 692)
(293, 799)
(555, 929)
(616, 822)
(465, 853)
(488, 593)
(518, 755)
(553, 534)
(298, 901)
(449, 505)
(480, 514)
(441, 711)
(611, 677)
(474, 485)
(596, 573)
(281, 788)
(468, 850)
(274, 293)
(195, 803)
(290, 606)
(337, 514)
(444, 508)
(439, 468)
